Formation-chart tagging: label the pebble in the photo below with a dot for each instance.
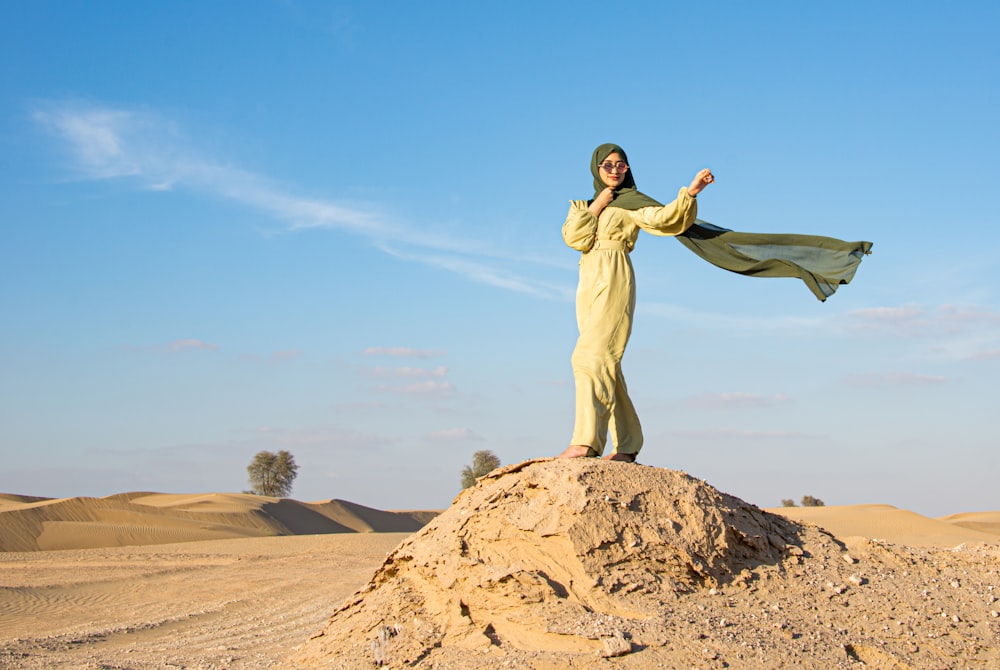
(836, 588)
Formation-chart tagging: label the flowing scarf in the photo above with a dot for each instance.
(823, 263)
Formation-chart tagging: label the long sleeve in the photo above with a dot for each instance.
(668, 220)
(580, 228)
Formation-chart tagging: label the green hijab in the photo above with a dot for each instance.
(823, 263)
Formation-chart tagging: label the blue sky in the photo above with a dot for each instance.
(334, 228)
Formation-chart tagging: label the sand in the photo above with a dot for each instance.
(547, 564)
(242, 603)
(31, 524)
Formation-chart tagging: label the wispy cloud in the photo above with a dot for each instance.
(917, 320)
(355, 405)
(903, 320)
(741, 324)
(151, 151)
(945, 331)
(892, 380)
(455, 434)
(738, 400)
(487, 273)
(190, 344)
(410, 372)
(172, 347)
(734, 433)
(426, 388)
(333, 437)
(403, 352)
(108, 143)
(274, 358)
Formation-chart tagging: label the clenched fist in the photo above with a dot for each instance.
(700, 181)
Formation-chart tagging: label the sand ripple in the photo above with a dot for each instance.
(236, 604)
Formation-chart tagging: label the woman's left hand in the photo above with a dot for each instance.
(700, 181)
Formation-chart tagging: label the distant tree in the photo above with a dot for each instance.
(482, 462)
(788, 502)
(272, 474)
(809, 501)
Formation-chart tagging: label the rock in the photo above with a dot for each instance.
(836, 588)
(616, 645)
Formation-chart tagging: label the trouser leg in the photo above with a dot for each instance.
(626, 431)
(593, 400)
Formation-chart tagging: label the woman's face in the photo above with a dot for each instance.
(616, 175)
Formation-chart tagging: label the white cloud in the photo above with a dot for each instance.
(738, 400)
(419, 388)
(95, 137)
(186, 344)
(108, 143)
(455, 434)
(489, 274)
(119, 143)
(410, 373)
(403, 352)
(733, 433)
(892, 379)
(916, 320)
(729, 323)
(331, 437)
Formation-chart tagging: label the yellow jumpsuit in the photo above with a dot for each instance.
(605, 303)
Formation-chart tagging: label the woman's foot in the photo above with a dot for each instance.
(625, 458)
(578, 451)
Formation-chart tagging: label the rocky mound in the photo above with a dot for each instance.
(558, 563)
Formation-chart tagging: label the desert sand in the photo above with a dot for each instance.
(546, 564)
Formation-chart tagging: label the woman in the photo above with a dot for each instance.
(605, 230)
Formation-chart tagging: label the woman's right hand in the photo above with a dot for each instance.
(700, 181)
(602, 200)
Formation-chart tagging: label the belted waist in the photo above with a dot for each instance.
(610, 245)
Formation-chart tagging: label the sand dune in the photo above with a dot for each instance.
(141, 518)
(899, 526)
(984, 522)
(31, 523)
(11, 500)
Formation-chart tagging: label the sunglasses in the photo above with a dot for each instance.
(611, 168)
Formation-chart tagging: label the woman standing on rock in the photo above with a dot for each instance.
(605, 229)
